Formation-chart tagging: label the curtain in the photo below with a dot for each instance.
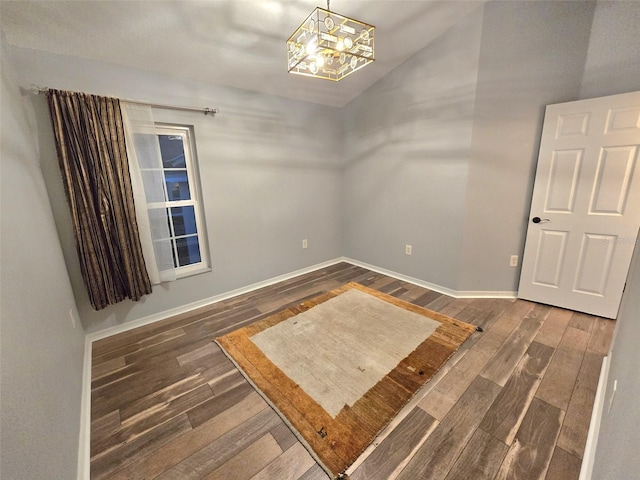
(93, 160)
(149, 189)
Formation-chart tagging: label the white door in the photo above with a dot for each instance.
(585, 209)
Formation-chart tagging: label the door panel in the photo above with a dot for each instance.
(611, 188)
(623, 120)
(571, 125)
(594, 263)
(563, 181)
(551, 250)
(587, 199)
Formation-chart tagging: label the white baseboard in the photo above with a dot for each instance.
(85, 420)
(594, 425)
(84, 451)
(433, 286)
(108, 332)
(84, 445)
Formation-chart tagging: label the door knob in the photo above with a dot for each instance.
(540, 220)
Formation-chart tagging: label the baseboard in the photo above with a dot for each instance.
(84, 452)
(85, 421)
(594, 425)
(433, 286)
(84, 445)
(108, 332)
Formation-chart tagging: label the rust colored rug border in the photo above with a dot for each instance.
(337, 442)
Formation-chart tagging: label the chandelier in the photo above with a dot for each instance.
(330, 46)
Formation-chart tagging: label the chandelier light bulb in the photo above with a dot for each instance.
(340, 45)
(312, 47)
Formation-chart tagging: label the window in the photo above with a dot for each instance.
(182, 207)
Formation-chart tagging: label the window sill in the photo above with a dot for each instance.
(192, 272)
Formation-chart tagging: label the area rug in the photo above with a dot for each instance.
(338, 368)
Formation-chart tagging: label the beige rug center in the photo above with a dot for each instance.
(340, 349)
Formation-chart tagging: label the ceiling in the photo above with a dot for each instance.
(239, 43)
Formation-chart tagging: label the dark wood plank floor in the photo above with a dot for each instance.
(513, 403)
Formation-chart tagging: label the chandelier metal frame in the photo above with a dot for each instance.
(330, 46)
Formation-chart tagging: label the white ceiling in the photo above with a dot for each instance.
(239, 43)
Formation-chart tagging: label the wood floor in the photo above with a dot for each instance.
(513, 403)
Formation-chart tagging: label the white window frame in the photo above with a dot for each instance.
(193, 177)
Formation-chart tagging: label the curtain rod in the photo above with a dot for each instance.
(206, 110)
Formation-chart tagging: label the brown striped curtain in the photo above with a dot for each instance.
(95, 170)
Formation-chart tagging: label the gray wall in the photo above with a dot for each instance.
(269, 170)
(613, 66)
(613, 61)
(440, 153)
(41, 353)
(407, 144)
(428, 156)
(617, 449)
(532, 54)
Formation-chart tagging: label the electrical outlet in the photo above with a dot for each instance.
(305, 244)
(407, 249)
(514, 261)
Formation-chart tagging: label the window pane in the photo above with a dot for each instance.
(177, 185)
(184, 220)
(188, 250)
(165, 256)
(152, 180)
(147, 150)
(172, 151)
(158, 221)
